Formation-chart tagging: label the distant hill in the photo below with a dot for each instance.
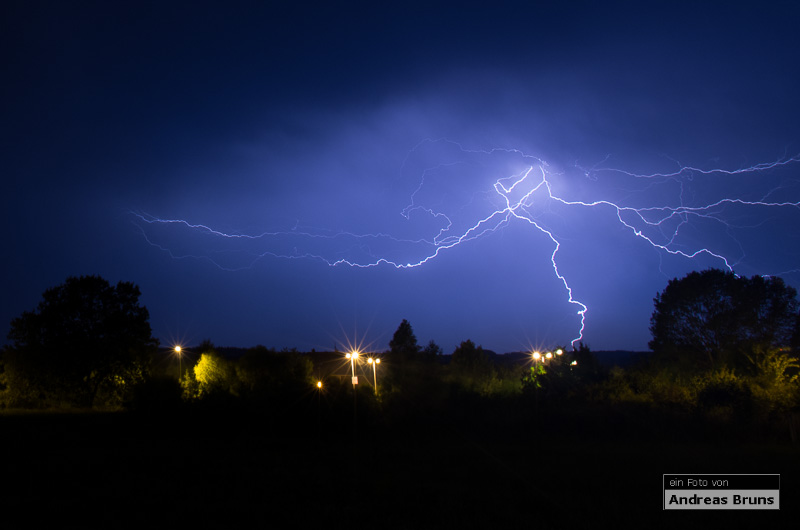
(608, 358)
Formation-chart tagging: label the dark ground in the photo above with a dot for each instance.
(115, 470)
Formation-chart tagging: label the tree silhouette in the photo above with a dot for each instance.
(714, 319)
(85, 338)
(472, 368)
(470, 359)
(586, 366)
(403, 345)
(410, 371)
(265, 374)
(432, 351)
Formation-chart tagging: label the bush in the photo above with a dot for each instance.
(723, 396)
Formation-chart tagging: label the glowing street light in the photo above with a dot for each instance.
(548, 355)
(536, 358)
(374, 363)
(319, 411)
(353, 356)
(178, 350)
(559, 352)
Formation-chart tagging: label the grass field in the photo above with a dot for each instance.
(117, 470)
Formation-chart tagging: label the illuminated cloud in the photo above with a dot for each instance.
(461, 195)
(300, 138)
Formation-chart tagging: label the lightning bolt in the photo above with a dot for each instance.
(454, 213)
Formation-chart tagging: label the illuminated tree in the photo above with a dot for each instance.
(532, 380)
(714, 319)
(777, 379)
(558, 377)
(213, 374)
(85, 339)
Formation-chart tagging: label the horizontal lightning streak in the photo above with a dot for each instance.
(534, 184)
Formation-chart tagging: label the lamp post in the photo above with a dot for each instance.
(353, 356)
(536, 358)
(374, 363)
(180, 364)
(319, 410)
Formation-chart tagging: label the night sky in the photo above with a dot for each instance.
(329, 169)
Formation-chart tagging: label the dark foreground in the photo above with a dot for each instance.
(242, 471)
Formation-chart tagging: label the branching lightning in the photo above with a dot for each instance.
(453, 211)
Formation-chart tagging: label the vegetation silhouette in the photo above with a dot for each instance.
(715, 319)
(502, 441)
(87, 344)
(723, 363)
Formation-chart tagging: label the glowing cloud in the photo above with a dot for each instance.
(459, 195)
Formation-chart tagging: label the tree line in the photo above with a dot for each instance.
(725, 351)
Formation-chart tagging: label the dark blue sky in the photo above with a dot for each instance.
(369, 133)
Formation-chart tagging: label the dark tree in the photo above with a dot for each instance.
(472, 368)
(404, 343)
(266, 374)
(715, 319)
(206, 346)
(432, 351)
(84, 339)
(586, 368)
(470, 359)
(410, 371)
(402, 358)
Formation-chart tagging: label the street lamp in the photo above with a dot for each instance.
(319, 409)
(180, 364)
(374, 363)
(536, 358)
(353, 356)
